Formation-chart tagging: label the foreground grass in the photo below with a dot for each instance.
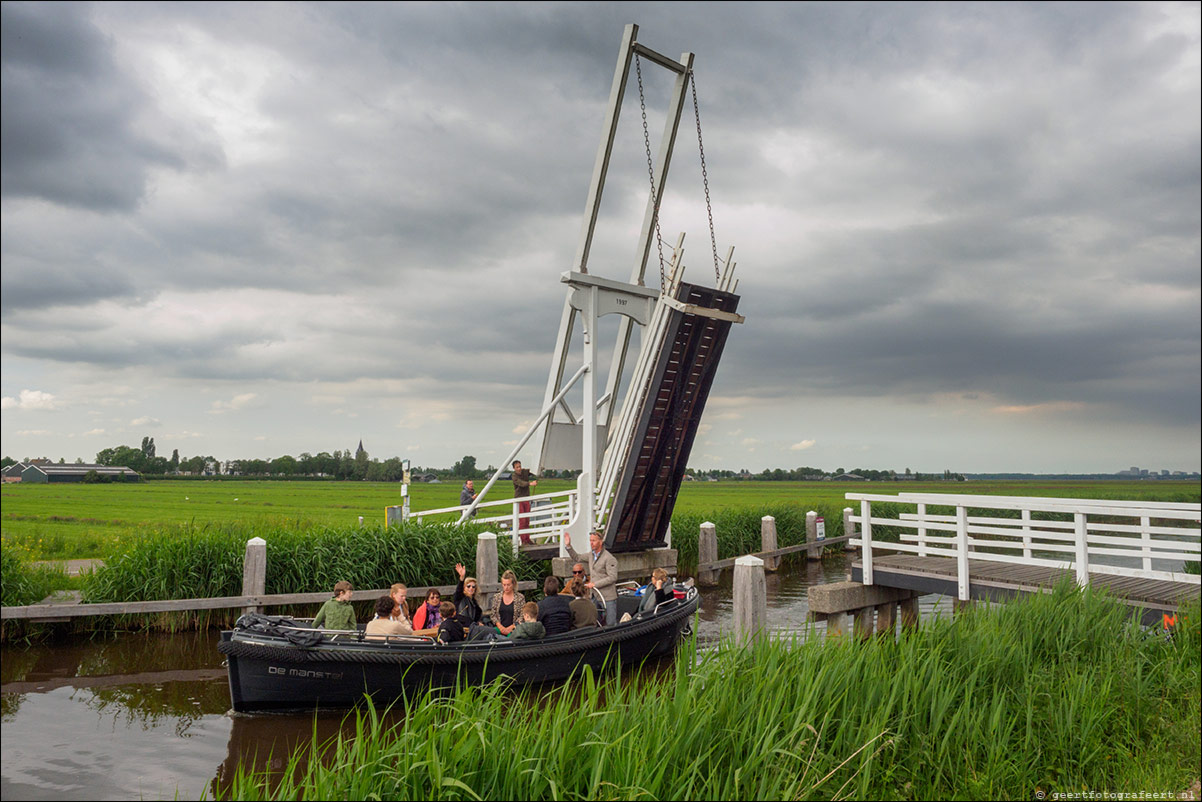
(1055, 693)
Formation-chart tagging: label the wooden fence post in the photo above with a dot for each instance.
(254, 571)
(768, 542)
(486, 563)
(849, 529)
(750, 600)
(707, 552)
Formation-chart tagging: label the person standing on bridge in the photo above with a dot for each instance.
(521, 489)
(467, 494)
(603, 572)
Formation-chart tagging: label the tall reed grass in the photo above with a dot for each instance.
(1060, 692)
(23, 582)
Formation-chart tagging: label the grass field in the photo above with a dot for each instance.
(79, 521)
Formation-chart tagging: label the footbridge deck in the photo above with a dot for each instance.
(998, 547)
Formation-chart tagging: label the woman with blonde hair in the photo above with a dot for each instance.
(505, 609)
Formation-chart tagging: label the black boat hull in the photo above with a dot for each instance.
(270, 674)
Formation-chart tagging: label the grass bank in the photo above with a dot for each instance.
(1054, 693)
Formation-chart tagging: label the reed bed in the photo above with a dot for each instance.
(22, 582)
(193, 562)
(186, 562)
(1054, 693)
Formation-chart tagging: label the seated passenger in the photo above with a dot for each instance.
(428, 615)
(657, 592)
(337, 613)
(555, 610)
(453, 628)
(401, 611)
(584, 610)
(384, 624)
(465, 599)
(529, 628)
(505, 609)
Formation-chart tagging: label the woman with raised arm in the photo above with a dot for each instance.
(467, 605)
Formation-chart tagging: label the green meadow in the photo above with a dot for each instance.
(71, 521)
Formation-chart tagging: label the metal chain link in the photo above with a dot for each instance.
(705, 179)
(659, 240)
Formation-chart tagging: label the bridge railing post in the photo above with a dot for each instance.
(1145, 525)
(866, 540)
(922, 529)
(962, 552)
(1026, 517)
(1081, 532)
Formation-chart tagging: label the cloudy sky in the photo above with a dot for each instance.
(967, 235)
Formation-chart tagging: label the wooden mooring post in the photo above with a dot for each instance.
(768, 542)
(707, 553)
(254, 571)
(849, 529)
(486, 563)
(814, 552)
(750, 600)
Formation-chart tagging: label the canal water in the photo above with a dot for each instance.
(114, 717)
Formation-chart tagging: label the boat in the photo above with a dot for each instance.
(276, 664)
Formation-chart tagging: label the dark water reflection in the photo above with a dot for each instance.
(148, 715)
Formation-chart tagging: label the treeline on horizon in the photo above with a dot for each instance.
(358, 465)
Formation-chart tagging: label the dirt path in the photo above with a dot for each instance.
(73, 567)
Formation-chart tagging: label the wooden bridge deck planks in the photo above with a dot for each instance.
(992, 580)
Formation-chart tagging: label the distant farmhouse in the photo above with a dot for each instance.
(13, 472)
(58, 474)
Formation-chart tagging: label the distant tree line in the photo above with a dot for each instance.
(358, 465)
(810, 474)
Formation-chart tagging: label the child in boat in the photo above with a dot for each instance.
(384, 624)
(429, 614)
(584, 611)
(337, 613)
(453, 628)
(529, 629)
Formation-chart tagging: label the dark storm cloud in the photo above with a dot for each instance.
(996, 199)
(71, 130)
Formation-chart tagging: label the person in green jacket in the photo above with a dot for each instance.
(530, 628)
(337, 613)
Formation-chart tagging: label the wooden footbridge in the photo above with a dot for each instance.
(999, 547)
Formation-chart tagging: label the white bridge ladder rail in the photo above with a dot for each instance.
(1091, 542)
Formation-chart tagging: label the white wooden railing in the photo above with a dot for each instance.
(549, 514)
(1103, 536)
